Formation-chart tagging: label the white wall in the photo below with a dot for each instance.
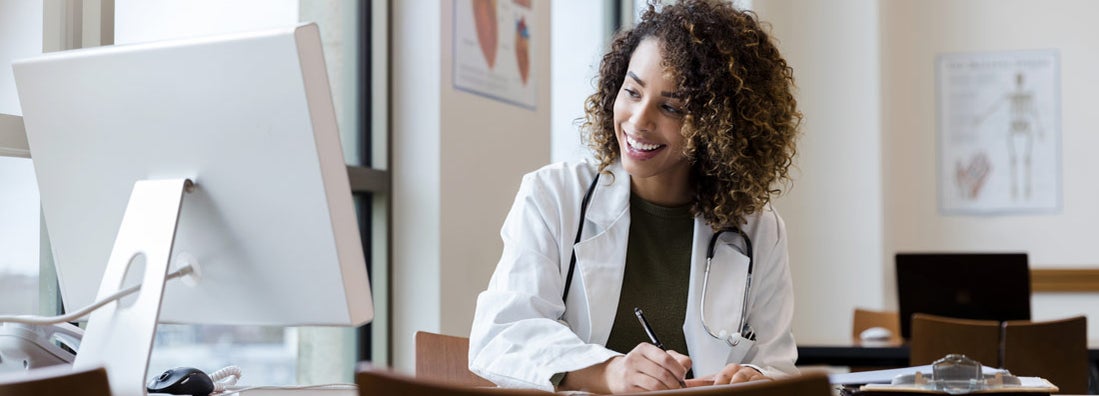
(834, 210)
(457, 163)
(866, 184)
(913, 33)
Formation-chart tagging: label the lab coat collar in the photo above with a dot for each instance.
(611, 197)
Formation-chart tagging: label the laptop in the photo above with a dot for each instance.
(985, 286)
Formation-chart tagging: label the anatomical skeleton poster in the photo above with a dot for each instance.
(999, 121)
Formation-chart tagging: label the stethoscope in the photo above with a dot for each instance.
(744, 331)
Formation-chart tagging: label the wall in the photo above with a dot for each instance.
(834, 211)
(866, 184)
(457, 162)
(864, 187)
(913, 33)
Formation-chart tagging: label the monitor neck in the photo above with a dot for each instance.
(119, 336)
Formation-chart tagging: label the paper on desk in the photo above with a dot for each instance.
(886, 376)
(1026, 385)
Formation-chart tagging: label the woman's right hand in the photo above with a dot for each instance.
(646, 368)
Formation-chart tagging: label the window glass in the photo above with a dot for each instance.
(19, 233)
(20, 37)
(339, 25)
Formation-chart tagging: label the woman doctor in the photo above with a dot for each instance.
(693, 126)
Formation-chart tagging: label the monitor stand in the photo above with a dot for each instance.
(120, 338)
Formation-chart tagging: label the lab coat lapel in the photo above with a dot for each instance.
(601, 256)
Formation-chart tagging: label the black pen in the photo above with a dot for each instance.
(652, 334)
(648, 328)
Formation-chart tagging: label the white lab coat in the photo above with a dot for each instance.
(522, 331)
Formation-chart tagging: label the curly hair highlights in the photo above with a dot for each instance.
(742, 118)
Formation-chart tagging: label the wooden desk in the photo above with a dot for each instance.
(877, 355)
(854, 354)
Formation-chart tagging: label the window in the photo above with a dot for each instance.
(268, 355)
(19, 213)
(19, 230)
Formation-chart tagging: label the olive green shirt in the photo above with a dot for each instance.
(657, 274)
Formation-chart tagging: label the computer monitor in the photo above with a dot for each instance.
(243, 122)
(989, 286)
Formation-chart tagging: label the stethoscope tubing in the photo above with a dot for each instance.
(742, 328)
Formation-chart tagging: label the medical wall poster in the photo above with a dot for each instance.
(493, 49)
(999, 121)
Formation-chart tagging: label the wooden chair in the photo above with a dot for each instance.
(865, 319)
(445, 359)
(1056, 350)
(936, 336)
(55, 380)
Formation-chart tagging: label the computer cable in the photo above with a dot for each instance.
(225, 378)
(333, 386)
(79, 314)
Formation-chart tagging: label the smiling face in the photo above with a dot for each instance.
(648, 120)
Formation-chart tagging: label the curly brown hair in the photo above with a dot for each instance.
(742, 118)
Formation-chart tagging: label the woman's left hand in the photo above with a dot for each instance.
(731, 374)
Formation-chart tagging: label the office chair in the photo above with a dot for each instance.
(445, 359)
(56, 380)
(934, 337)
(1056, 350)
(864, 319)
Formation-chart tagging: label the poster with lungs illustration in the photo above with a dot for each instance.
(494, 49)
(999, 120)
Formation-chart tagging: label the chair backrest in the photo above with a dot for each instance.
(1056, 350)
(864, 319)
(56, 380)
(377, 381)
(443, 358)
(936, 336)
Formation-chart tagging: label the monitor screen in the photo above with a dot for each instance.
(249, 119)
(989, 286)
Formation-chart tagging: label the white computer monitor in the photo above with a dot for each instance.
(249, 119)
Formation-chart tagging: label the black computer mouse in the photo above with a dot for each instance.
(182, 381)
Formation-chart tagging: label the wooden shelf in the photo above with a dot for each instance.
(1064, 280)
